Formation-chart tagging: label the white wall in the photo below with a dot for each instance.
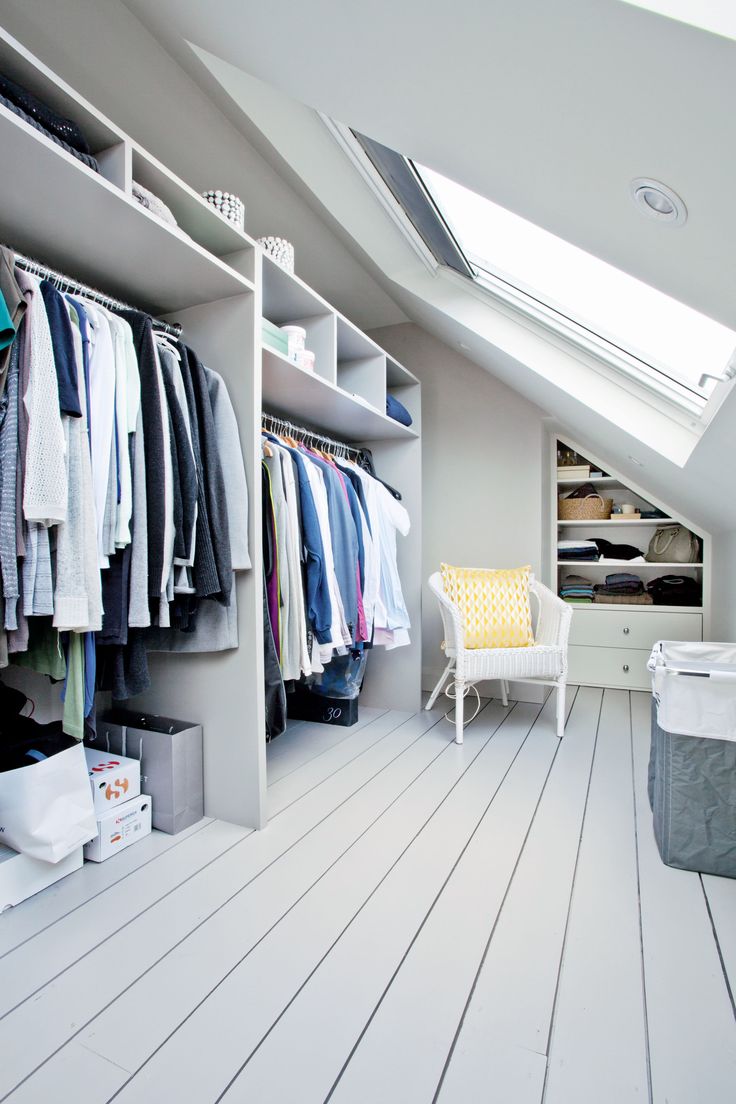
(106, 54)
(483, 461)
(724, 587)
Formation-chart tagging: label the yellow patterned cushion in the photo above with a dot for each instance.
(495, 605)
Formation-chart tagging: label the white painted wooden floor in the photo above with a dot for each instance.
(420, 922)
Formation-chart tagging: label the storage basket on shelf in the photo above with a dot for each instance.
(590, 508)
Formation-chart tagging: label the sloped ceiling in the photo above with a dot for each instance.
(547, 108)
(548, 112)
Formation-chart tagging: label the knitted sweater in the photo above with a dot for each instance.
(45, 486)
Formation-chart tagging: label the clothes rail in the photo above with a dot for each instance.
(67, 283)
(281, 426)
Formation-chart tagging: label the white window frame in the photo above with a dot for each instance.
(643, 380)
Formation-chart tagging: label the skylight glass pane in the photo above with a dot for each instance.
(675, 340)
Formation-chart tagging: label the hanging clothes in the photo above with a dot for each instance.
(123, 496)
(330, 554)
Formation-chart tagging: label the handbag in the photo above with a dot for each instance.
(673, 544)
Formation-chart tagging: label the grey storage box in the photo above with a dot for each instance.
(692, 770)
(170, 754)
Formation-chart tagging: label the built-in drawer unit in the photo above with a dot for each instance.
(617, 667)
(612, 637)
(632, 628)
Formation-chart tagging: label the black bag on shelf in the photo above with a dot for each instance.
(64, 129)
(675, 590)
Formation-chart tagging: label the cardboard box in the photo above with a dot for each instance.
(117, 828)
(114, 778)
(170, 754)
(21, 876)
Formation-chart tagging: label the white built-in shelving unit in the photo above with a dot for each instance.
(217, 282)
(610, 643)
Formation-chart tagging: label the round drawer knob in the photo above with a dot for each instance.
(626, 668)
(626, 632)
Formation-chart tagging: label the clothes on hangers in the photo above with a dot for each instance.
(123, 501)
(331, 566)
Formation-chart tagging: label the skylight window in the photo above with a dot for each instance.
(672, 343)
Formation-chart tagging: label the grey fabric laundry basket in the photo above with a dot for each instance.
(692, 779)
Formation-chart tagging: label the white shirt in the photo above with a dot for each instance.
(101, 413)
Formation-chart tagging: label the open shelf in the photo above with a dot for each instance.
(397, 375)
(21, 67)
(195, 215)
(286, 297)
(305, 396)
(157, 267)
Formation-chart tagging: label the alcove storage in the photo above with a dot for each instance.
(216, 281)
(610, 643)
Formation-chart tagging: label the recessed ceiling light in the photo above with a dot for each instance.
(464, 346)
(655, 199)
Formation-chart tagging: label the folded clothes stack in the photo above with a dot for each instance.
(675, 590)
(576, 589)
(153, 204)
(582, 550)
(624, 599)
(619, 584)
(43, 118)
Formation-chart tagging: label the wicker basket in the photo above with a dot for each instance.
(590, 508)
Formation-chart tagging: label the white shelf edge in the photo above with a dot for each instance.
(601, 480)
(633, 607)
(618, 524)
(621, 563)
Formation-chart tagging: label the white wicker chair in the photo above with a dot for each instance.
(544, 662)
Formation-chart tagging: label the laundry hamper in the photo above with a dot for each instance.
(692, 767)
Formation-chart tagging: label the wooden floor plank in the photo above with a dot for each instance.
(56, 949)
(295, 947)
(345, 962)
(39, 912)
(366, 923)
(518, 1078)
(721, 894)
(65, 1006)
(510, 1012)
(598, 1044)
(285, 791)
(693, 1055)
(293, 749)
(403, 1049)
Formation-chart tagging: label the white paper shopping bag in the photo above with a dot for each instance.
(46, 808)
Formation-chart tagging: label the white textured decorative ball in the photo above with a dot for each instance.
(229, 206)
(280, 250)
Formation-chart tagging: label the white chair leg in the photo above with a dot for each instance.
(440, 684)
(504, 692)
(560, 710)
(459, 710)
